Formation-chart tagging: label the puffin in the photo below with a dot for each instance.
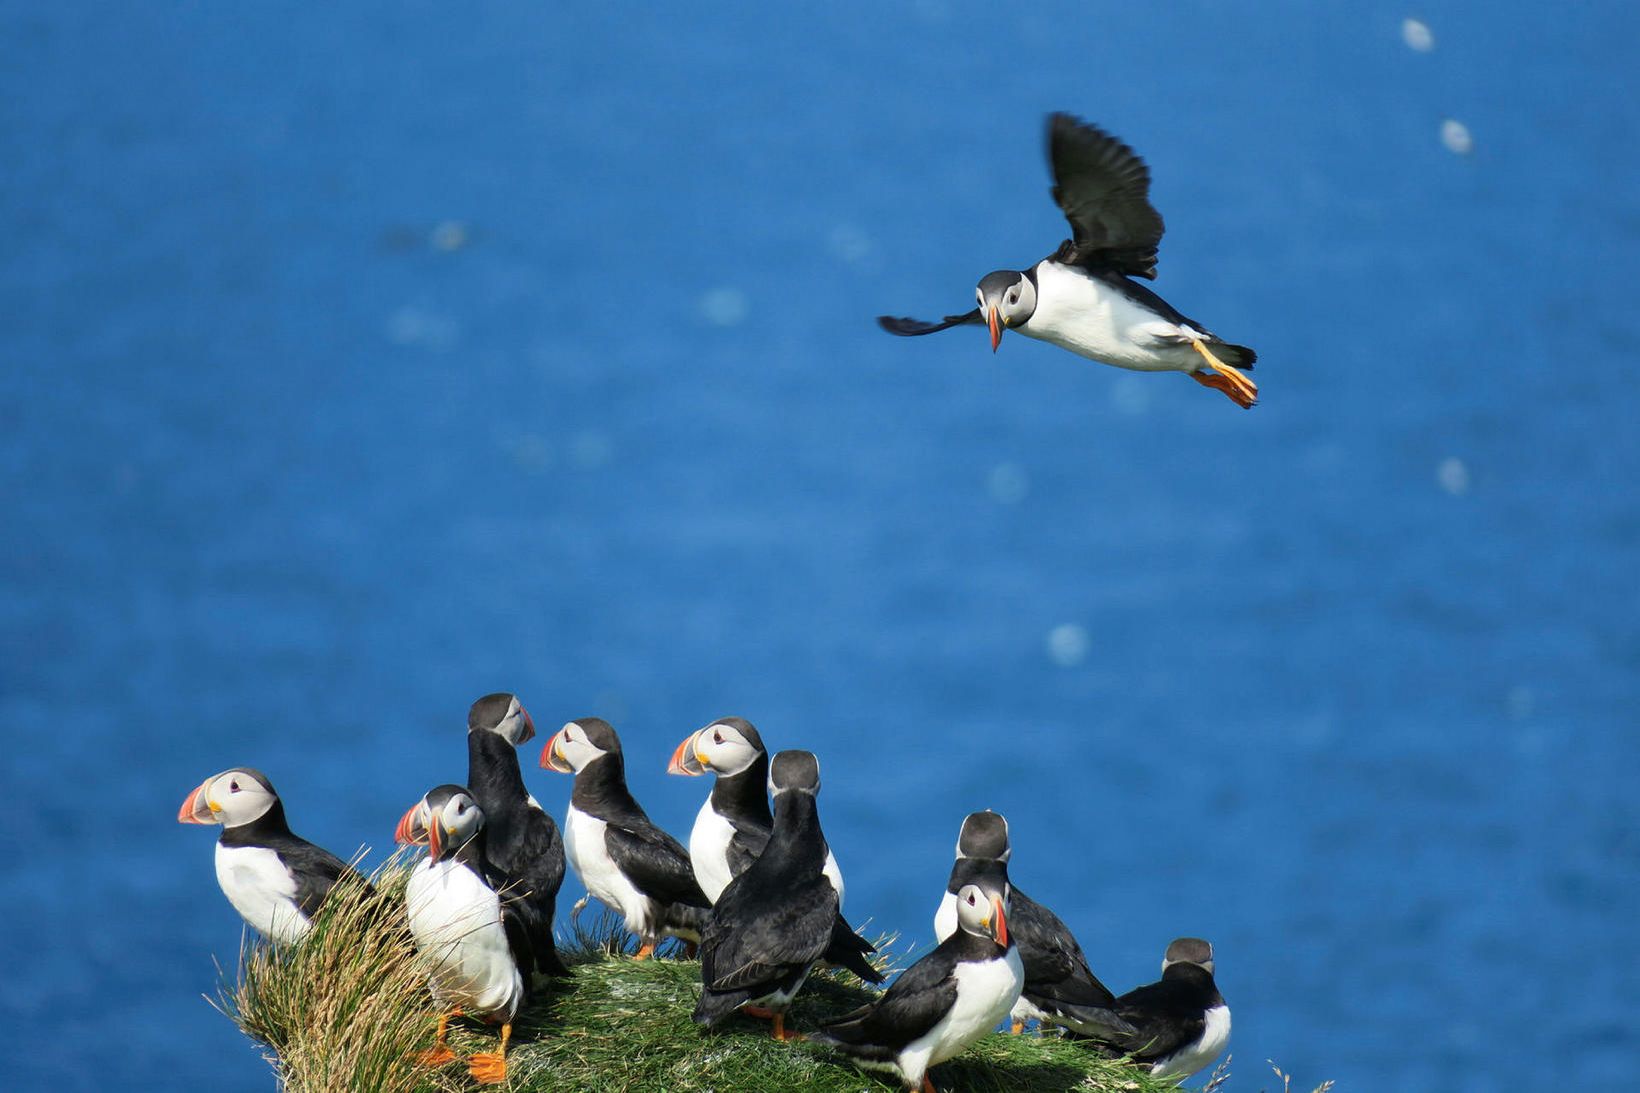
(733, 825)
(943, 1002)
(521, 838)
(275, 879)
(1083, 297)
(1181, 1022)
(469, 921)
(621, 857)
(774, 920)
(1059, 988)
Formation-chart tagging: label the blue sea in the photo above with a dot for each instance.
(357, 361)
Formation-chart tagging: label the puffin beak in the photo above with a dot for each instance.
(197, 808)
(529, 726)
(996, 328)
(552, 756)
(411, 831)
(686, 760)
(999, 923)
(433, 847)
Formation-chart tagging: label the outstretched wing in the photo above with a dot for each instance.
(911, 328)
(1103, 188)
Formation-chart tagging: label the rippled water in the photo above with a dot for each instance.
(357, 364)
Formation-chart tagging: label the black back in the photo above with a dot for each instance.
(655, 862)
(1168, 1014)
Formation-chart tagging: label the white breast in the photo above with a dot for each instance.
(1078, 313)
(1193, 1057)
(456, 920)
(709, 850)
(986, 989)
(945, 919)
(262, 890)
(589, 857)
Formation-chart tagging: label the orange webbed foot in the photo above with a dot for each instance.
(645, 950)
(488, 1068)
(1235, 383)
(437, 1056)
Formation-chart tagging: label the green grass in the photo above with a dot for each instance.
(348, 1009)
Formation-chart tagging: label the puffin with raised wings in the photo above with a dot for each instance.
(1083, 297)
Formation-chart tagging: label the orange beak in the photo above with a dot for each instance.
(196, 809)
(552, 756)
(411, 831)
(529, 726)
(996, 328)
(684, 760)
(999, 923)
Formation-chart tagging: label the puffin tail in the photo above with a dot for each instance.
(1236, 356)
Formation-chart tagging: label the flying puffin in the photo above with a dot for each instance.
(622, 858)
(1082, 297)
(521, 838)
(1181, 1022)
(733, 825)
(468, 921)
(943, 1002)
(775, 919)
(1059, 987)
(274, 879)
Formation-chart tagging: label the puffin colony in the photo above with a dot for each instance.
(758, 893)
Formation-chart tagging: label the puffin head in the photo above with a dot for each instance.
(578, 743)
(504, 715)
(443, 821)
(984, 835)
(1006, 298)
(236, 796)
(1189, 950)
(982, 909)
(727, 746)
(794, 772)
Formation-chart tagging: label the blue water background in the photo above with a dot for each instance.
(355, 363)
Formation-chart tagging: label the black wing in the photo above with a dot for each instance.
(1055, 966)
(1163, 1016)
(913, 1004)
(911, 328)
(749, 943)
(315, 870)
(521, 922)
(656, 863)
(847, 949)
(745, 846)
(1103, 188)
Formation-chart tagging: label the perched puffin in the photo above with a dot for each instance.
(1180, 1023)
(622, 858)
(520, 837)
(774, 920)
(943, 1002)
(1081, 297)
(274, 879)
(468, 922)
(733, 825)
(1059, 987)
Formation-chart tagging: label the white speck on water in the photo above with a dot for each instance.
(1068, 644)
(591, 449)
(1008, 483)
(411, 326)
(724, 307)
(1520, 702)
(1453, 476)
(1130, 396)
(450, 235)
(1455, 135)
(1417, 35)
(849, 244)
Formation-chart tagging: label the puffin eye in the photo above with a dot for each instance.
(970, 901)
(717, 736)
(233, 787)
(1013, 296)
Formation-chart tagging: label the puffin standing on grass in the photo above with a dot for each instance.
(520, 837)
(276, 880)
(1180, 1023)
(775, 920)
(468, 922)
(1059, 987)
(1081, 297)
(622, 858)
(943, 1002)
(734, 824)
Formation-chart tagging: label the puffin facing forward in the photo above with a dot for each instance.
(622, 858)
(521, 838)
(1081, 297)
(943, 1002)
(276, 880)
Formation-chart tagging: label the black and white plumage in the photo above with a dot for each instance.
(468, 921)
(1181, 1022)
(622, 858)
(733, 825)
(1082, 297)
(521, 838)
(943, 1002)
(1059, 987)
(275, 879)
(774, 920)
